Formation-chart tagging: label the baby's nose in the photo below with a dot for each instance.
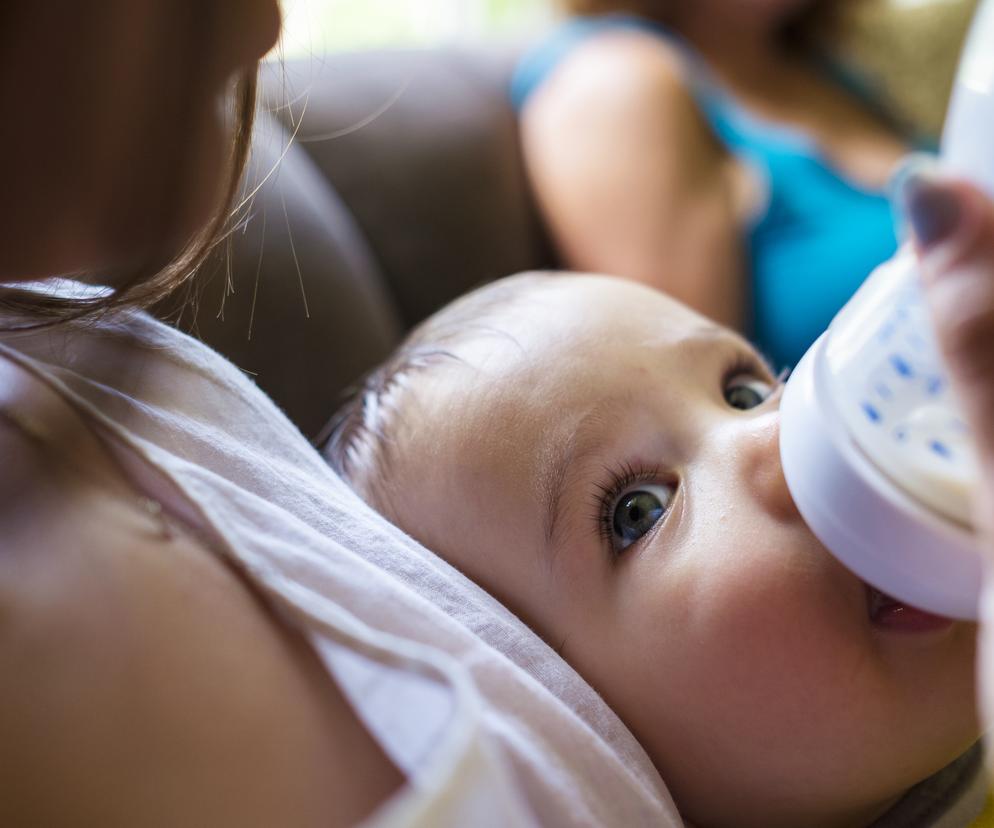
(762, 469)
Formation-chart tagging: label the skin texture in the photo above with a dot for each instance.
(144, 683)
(739, 652)
(628, 175)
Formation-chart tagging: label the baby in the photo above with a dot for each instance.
(605, 462)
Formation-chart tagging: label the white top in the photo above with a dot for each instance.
(489, 724)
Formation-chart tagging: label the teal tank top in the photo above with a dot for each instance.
(820, 234)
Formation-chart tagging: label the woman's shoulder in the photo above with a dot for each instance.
(612, 49)
(622, 82)
(622, 89)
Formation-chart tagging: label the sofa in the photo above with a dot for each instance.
(402, 188)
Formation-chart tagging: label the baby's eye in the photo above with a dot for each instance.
(745, 391)
(637, 511)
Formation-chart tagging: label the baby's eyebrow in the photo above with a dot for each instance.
(570, 452)
(585, 439)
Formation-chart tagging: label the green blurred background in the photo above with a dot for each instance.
(317, 26)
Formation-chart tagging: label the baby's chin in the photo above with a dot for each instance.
(950, 761)
(843, 814)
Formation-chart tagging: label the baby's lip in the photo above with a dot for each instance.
(892, 615)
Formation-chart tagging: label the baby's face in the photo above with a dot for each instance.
(607, 465)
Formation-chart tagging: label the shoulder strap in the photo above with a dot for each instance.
(539, 63)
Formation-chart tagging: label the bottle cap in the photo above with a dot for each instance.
(870, 524)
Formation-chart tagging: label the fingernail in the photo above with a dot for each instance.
(914, 163)
(932, 208)
(917, 163)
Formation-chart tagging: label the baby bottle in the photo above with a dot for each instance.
(875, 451)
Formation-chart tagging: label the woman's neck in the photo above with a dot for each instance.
(744, 46)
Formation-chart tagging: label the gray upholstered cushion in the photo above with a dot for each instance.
(403, 189)
(423, 147)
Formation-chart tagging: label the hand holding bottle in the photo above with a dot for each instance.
(953, 226)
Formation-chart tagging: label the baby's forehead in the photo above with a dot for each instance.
(550, 343)
(530, 383)
(571, 329)
(541, 314)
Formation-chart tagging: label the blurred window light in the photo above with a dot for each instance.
(314, 27)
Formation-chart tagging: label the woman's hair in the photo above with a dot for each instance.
(144, 287)
(651, 9)
(799, 30)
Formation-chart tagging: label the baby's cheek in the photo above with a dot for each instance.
(776, 634)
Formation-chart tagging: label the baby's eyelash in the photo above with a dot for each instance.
(627, 475)
(746, 362)
(607, 494)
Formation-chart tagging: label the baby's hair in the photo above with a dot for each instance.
(361, 437)
(355, 439)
